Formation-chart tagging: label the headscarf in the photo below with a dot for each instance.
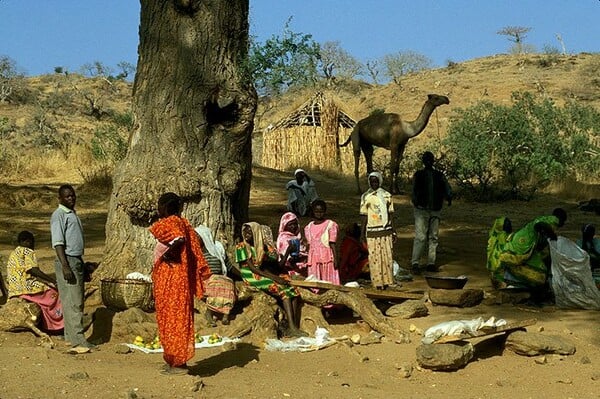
(257, 233)
(214, 248)
(298, 171)
(283, 235)
(380, 194)
(285, 219)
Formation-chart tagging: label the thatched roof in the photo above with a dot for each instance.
(309, 114)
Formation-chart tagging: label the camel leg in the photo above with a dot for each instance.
(395, 159)
(356, 163)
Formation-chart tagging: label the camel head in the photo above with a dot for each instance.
(437, 100)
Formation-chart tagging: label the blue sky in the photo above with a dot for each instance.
(42, 34)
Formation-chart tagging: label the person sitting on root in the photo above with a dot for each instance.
(291, 249)
(253, 256)
(26, 280)
(590, 244)
(525, 259)
(354, 255)
(301, 193)
(219, 290)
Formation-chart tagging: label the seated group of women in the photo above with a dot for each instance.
(521, 259)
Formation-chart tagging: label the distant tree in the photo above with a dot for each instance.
(96, 69)
(126, 69)
(399, 64)
(562, 43)
(372, 67)
(282, 61)
(515, 34)
(338, 63)
(11, 81)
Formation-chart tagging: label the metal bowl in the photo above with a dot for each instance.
(447, 283)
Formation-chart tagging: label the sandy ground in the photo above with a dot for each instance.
(27, 370)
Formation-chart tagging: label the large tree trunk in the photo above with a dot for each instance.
(194, 109)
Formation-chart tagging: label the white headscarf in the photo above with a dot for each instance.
(379, 192)
(214, 248)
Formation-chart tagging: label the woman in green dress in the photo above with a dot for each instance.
(525, 258)
(254, 257)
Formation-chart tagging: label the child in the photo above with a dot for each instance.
(354, 255)
(26, 280)
(321, 235)
(252, 254)
(292, 254)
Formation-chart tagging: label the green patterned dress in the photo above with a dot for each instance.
(255, 280)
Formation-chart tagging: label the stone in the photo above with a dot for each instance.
(122, 349)
(408, 310)
(371, 338)
(444, 357)
(534, 344)
(80, 375)
(461, 298)
(585, 360)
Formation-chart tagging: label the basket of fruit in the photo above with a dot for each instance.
(121, 294)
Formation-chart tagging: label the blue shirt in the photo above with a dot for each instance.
(66, 230)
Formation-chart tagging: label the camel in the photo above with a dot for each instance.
(389, 131)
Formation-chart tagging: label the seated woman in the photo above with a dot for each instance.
(498, 236)
(253, 256)
(301, 193)
(219, 290)
(291, 250)
(26, 280)
(525, 258)
(354, 255)
(590, 244)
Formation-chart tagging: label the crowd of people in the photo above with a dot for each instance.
(190, 263)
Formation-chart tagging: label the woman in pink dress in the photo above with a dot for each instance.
(321, 235)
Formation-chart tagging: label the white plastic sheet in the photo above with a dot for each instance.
(303, 344)
(572, 281)
(459, 327)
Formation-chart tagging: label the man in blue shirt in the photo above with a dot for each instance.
(68, 242)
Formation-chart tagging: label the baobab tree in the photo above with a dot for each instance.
(194, 107)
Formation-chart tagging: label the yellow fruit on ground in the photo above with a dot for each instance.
(156, 346)
(139, 338)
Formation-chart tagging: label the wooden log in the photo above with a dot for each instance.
(369, 293)
(359, 303)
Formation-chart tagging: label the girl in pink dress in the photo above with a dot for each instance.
(321, 235)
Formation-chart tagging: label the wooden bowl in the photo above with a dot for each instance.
(447, 283)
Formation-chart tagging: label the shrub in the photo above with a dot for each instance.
(108, 144)
(496, 151)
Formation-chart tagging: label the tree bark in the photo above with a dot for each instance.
(194, 109)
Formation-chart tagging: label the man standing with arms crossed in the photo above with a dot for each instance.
(67, 241)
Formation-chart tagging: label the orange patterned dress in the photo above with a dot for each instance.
(176, 283)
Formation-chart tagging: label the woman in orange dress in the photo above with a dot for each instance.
(178, 275)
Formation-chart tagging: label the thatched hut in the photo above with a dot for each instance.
(309, 137)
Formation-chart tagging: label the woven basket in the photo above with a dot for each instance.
(121, 294)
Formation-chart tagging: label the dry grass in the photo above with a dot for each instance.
(493, 78)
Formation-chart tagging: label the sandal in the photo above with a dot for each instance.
(174, 370)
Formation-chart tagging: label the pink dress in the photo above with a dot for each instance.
(320, 254)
